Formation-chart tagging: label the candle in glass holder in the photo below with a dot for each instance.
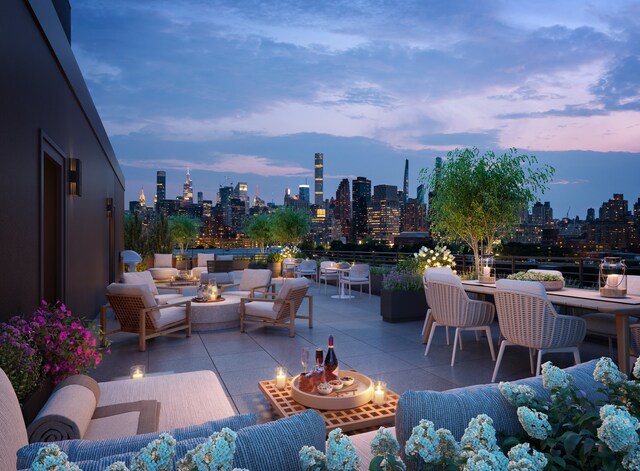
(613, 281)
(281, 377)
(137, 371)
(486, 271)
(379, 392)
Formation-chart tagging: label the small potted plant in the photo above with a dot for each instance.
(274, 263)
(550, 281)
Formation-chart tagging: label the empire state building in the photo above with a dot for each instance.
(187, 189)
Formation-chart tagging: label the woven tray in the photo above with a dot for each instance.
(336, 400)
(206, 301)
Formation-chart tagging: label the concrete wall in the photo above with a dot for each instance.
(43, 95)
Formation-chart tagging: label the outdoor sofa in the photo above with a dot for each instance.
(193, 398)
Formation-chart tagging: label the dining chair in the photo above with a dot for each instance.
(328, 272)
(427, 319)
(289, 267)
(357, 275)
(307, 268)
(450, 306)
(528, 319)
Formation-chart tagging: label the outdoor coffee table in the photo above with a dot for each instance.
(360, 419)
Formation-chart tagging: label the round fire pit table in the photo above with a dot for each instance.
(216, 315)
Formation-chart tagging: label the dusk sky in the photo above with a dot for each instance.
(250, 90)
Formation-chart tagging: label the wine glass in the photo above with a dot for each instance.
(304, 358)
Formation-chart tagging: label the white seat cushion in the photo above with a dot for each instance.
(252, 278)
(169, 315)
(163, 260)
(352, 279)
(203, 258)
(165, 298)
(141, 277)
(243, 294)
(126, 289)
(260, 309)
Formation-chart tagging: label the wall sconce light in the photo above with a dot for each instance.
(109, 207)
(75, 177)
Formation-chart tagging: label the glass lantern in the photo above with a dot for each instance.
(212, 290)
(613, 278)
(487, 271)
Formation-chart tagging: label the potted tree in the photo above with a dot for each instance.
(476, 198)
(274, 263)
(184, 231)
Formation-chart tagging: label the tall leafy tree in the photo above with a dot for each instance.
(184, 231)
(477, 198)
(159, 239)
(289, 226)
(134, 233)
(258, 228)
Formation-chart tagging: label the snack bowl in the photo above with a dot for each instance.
(337, 384)
(347, 380)
(324, 388)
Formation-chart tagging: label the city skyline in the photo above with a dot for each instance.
(249, 92)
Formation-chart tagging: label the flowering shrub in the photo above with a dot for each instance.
(214, 454)
(66, 345)
(402, 281)
(534, 276)
(51, 458)
(290, 251)
(438, 257)
(385, 449)
(341, 455)
(18, 358)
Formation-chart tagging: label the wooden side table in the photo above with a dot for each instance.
(361, 419)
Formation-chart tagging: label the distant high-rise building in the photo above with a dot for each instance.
(142, 199)
(405, 186)
(241, 191)
(200, 197)
(361, 194)
(318, 180)
(432, 191)
(303, 193)
(343, 209)
(224, 195)
(614, 210)
(187, 189)
(384, 217)
(591, 214)
(636, 210)
(161, 186)
(542, 214)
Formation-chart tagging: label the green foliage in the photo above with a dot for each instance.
(289, 226)
(134, 233)
(159, 237)
(275, 257)
(258, 228)
(184, 231)
(534, 276)
(477, 197)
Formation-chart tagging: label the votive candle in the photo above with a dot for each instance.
(281, 378)
(379, 393)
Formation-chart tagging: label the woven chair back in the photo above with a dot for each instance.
(359, 270)
(127, 311)
(297, 296)
(526, 319)
(308, 265)
(448, 304)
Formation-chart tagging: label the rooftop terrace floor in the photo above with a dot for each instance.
(390, 352)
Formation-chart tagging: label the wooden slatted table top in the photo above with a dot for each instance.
(361, 419)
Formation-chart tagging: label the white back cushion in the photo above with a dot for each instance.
(252, 278)
(633, 285)
(204, 257)
(528, 287)
(445, 270)
(327, 264)
(125, 289)
(162, 260)
(139, 278)
(288, 285)
(445, 278)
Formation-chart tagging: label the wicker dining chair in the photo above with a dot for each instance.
(357, 275)
(528, 319)
(137, 312)
(281, 310)
(328, 271)
(450, 306)
(307, 268)
(427, 319)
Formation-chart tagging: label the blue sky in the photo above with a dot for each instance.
(250, 90)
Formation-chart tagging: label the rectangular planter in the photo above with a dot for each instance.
(376, 284)
(402, 306)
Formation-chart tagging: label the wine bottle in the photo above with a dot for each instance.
(331, 361)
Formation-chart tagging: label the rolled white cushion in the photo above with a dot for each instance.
(65, 416)
(138, 278)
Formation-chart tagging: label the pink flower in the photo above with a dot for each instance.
(63, 336)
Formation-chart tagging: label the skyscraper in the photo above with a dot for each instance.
(319, 171)
(405, 187)
(187, 189)
(384, 217)
(141, 199)
(361, 190)
(200, 197)
(343, 208)
(303, 193)
(161, 186)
